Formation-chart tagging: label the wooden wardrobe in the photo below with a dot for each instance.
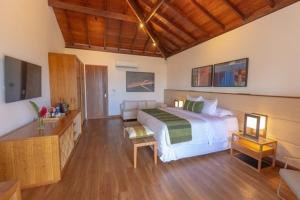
(66, 74)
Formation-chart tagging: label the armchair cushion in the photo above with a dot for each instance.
(129, 109)
(130, 105)
(129, 114)
(142, 104)
(292, 178)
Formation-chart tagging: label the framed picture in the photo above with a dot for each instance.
(231, 74)
(202, 76)
(139, 82)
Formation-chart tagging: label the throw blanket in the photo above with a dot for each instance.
(179, 129)
(138, 131)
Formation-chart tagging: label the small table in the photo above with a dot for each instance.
(256, 149)
(141, 142)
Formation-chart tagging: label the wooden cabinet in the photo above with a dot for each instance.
(38, 158)
(67, 81)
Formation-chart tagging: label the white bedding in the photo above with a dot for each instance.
(209, 134)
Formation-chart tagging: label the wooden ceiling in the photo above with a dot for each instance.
(159, 28)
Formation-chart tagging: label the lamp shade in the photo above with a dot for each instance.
(255, 125)
(252, 122)
(181, 103)
(178, 103)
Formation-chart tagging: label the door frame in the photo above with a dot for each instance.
(105, 106)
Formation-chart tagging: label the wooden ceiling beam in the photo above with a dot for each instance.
(271, 3)
(182, 15)
(134, 38)
(120, 33)
(91, 11)
(105, 26)
(169, 22)
(171, 43)
(69, 27)
(87, 30)
(112, 49)
(154, 10)
(146, 44)
(208, 14)
(169, 31)
(139, 13)
(235, 9)
(121, 25)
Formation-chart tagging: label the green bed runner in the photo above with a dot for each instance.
(179, 129)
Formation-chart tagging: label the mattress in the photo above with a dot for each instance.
(209, 134)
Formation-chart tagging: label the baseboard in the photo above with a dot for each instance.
(113, 117)
(281, 164)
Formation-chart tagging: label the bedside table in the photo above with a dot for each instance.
(256, 149)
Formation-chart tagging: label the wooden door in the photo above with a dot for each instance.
(96, 91)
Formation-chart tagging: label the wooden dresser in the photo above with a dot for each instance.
(38, 158)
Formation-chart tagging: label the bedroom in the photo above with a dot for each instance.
(164, 45)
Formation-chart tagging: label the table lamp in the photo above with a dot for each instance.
(178, 103)
(255, 125)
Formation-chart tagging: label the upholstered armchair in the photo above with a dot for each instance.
(291, 177)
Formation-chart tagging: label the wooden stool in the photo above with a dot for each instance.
(142, 142)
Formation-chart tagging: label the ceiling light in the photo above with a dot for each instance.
(154, 44)
(141, 25)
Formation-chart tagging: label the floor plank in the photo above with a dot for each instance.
(101, 169)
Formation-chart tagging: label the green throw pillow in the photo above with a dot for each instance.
(186, 105)
(197, 106)
(190, 106)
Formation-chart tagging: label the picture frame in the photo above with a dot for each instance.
(231, 74)
(140, 81)
(202, 76)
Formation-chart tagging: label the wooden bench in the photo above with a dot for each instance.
(140, 142)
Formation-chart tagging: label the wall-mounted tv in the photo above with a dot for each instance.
(23, 80)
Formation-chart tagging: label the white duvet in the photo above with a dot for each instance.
(206, 129)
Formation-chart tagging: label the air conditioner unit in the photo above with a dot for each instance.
(121, 65)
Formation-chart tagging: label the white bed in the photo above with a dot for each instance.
(209, 134)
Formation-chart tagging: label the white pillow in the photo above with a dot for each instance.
(210, 106)
(222, 112)
(196, 98)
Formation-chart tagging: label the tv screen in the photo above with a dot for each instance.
(22, 80)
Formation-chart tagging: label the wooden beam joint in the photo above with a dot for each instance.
(138, 12)
(154, 10)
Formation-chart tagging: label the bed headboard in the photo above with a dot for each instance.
(283, 112)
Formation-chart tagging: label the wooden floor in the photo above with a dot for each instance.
(101, 168)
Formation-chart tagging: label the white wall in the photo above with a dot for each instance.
(25, 33)
(117, 78)
(272, 45)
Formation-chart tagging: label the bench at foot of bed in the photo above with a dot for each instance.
(140, 142)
